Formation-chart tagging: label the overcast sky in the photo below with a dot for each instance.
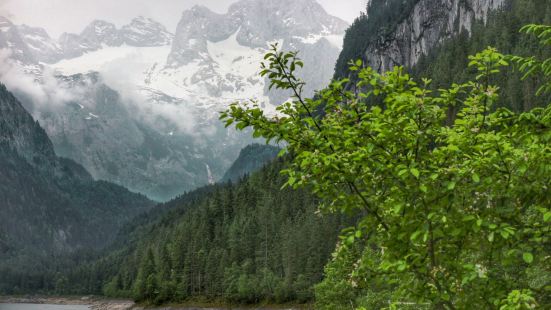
(58, 16)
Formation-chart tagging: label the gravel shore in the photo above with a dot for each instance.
(99, 303)
(95, 303)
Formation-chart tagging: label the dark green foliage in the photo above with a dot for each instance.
(146, 286)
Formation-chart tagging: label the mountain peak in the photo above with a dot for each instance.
(99, 27)
(4, 22)
(145, 31)
(287, 18)
(198, 8)
(100, 32)
(199, 15)
(141, 18)
(285, 5)
(256, 23)
(40, 45)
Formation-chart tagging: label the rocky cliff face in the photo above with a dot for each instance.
(430, 22)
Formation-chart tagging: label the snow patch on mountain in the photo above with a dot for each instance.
(234, 58)
(101, 60)
(229, 72)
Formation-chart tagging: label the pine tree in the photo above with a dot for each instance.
(146, 286)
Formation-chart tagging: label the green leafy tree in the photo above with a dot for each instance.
(455, 213)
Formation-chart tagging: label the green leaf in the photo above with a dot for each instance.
(491, 236)
(468, 218)
(397, 208)
(547, 216)
(528, 257)
(402, 266)
(415, 235)
(402, 172)
(504, 234)
(475, 178)
(415, 172)
(451, 185)
(291, 180)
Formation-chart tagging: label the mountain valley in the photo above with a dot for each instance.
(397, 162)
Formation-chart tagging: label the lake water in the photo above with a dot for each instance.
(42, 307)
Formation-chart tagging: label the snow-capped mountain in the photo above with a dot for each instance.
(31, 45)
(25, 48)
(145, 32)
(253, 23)
(219, 55)
(142, 104)
(139, 32)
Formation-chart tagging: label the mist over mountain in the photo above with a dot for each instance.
(159, 93)
(51, 204)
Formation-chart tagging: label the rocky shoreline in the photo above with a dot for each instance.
(95, 303)
(100, 303)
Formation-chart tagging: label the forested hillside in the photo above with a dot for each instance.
(49, 206)
(250, 159)
(242, 243)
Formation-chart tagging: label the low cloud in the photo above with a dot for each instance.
(4, 11)
(45, 93)
(122, 74)
(49, 91)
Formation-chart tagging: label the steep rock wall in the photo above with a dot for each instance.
(430, 22)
